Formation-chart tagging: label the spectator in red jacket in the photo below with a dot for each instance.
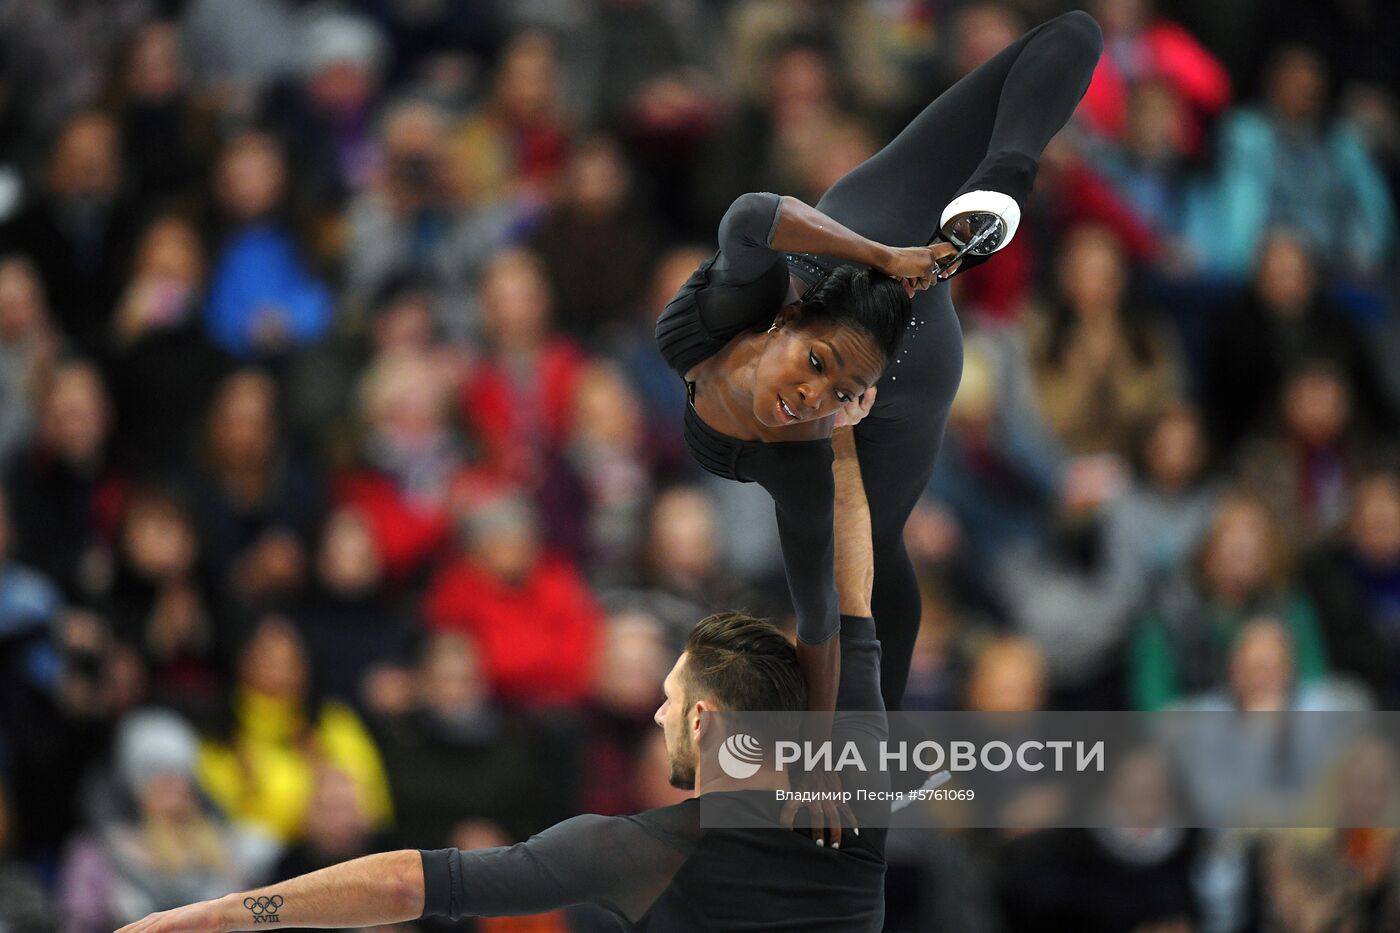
(531, 613)
(1139, 46)
(409, 457)
(520, 397)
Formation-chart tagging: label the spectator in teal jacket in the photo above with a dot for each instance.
(1282, 166)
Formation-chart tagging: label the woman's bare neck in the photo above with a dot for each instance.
(724, 387)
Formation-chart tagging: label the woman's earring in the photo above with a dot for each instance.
(774, 328)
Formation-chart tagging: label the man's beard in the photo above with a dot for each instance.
(682, 771)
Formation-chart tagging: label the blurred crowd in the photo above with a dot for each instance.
(345, 504)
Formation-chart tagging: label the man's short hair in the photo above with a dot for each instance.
(744, 664)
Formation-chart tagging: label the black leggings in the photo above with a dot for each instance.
(985, 132)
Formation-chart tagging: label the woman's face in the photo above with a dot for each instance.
(1008, 678)
(1237, 559)
(404, 325)
(406, 399)
(170, 251)
(1375, 521)
(1155, 116)
(349, 559)
(596, 180)
(515, 302)
(86, 163)
(1367, 786)
(244, 422)
(683, 540)
(159, 540)
(23, 308)
(74, 414)
(167, 797)
(633, 660)
(809, 371)
(156, 70)
(1093, 273)
(1316, 407)
(450, 679)
(606, 411)
(1296, 85)
(1141, 793)
(252, 176)
(1261, 667)
(527, 83)
(801, 83)
(1286, 279)
(1175, 451)
(274, 661)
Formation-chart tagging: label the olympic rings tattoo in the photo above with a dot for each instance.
(264, 909)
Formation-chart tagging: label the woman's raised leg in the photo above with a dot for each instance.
(985, 132)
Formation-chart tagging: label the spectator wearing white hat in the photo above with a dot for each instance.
(325, 112)
(166, 848)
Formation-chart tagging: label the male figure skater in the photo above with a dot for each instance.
(658, 870)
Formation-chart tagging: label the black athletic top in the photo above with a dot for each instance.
(662, 871)
(741, 288)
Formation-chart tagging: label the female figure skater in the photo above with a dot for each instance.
(775, 346)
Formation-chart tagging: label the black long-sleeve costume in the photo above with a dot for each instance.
(985, 133)
(662, 870)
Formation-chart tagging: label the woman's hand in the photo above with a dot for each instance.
(942, 252)
(919, 267)
(826, 812)
(910, 264)
(853, 412)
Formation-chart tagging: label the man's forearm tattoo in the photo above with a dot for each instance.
(264, 909)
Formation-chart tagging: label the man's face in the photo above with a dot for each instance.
(674, 718)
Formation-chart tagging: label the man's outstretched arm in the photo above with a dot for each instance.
(621, 862)
(860, 716)
(855, 553)
(855, 580)
(366, 892)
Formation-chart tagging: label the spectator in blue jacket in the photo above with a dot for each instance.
(263, 298)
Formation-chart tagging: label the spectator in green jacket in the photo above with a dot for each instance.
(1243, 569)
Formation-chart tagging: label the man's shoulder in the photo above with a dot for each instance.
(677, 822)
